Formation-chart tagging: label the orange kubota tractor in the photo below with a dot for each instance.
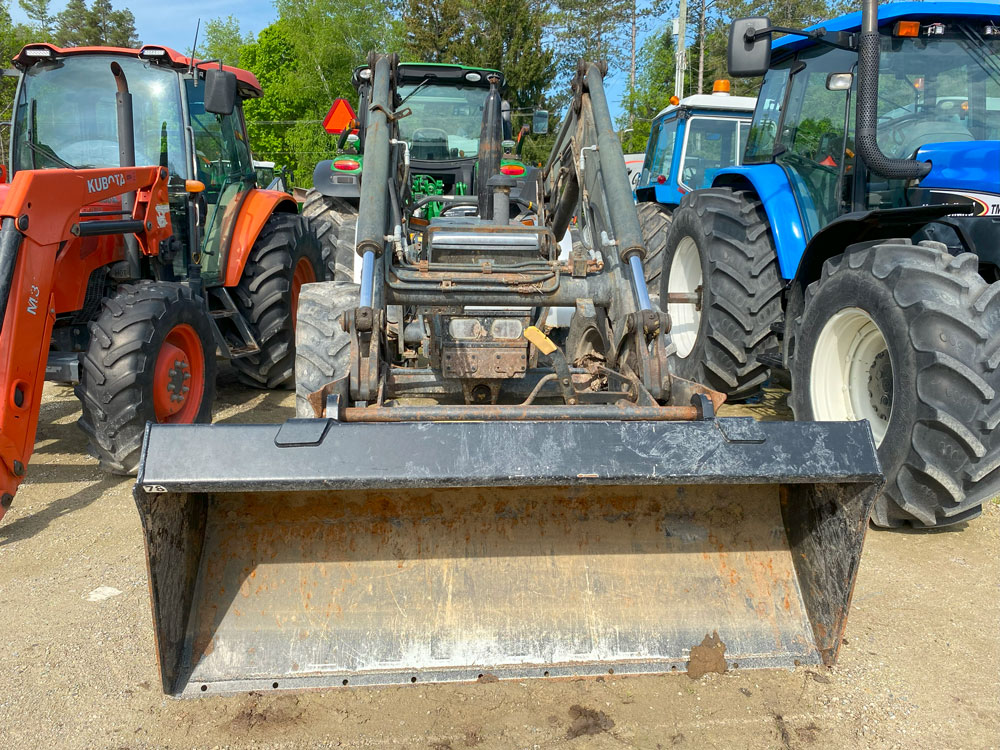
(128, 280)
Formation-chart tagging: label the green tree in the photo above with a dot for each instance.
(591, 30)
(110, 27)
(224, 39)
(73, 25)
(304, 61)
(652, 91)
(435, 32)
(38, 12)
(507, 35)
(99, 25)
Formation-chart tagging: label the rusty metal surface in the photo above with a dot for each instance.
(384, 587)
(563, 413)
(485, 361)
(332, 553)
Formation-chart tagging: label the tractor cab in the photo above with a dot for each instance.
(938, 103)
(690, 141)
(66, 117)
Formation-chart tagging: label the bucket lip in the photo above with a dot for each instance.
(409, 455)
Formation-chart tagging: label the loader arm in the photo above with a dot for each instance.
(42, 210)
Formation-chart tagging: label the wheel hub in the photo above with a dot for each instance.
(178, 377)
(851, 372)
(880, 385)
(685, 287)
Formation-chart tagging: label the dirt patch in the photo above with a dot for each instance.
(587, 721)
(81, 674)
(259, 714)
(708, 656)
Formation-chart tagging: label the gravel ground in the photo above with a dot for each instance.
(919, 667)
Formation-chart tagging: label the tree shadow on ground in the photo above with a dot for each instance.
(26, 527)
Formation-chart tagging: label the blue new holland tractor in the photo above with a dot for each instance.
(690, 140)
(858, 244)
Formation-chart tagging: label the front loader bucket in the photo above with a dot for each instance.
(320, 553)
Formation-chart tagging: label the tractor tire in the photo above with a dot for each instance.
(907, 336)
(322, 346)
(654, 220)
(130, 374)
(333, 221)
(719, 240)
(284, 257)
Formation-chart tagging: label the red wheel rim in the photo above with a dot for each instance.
(179, 376)
(304, 274)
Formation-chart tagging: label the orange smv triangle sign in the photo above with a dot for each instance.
(340, 117)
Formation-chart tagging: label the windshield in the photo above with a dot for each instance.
(713, 143)
(66, 114)
(446, 120)
(938, 88)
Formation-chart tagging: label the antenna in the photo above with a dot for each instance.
(194, 47)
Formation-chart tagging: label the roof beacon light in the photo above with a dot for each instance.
(721, 87)
(906, 28)
(473, 77)
(674, 101)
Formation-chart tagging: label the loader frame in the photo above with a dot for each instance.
(539, 519)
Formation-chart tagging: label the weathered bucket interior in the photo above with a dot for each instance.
(284, 589)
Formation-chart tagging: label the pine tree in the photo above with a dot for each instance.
(38, 12)
(73, 25)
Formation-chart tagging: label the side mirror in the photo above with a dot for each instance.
(220, 91)
(749, 53)
(540, 121)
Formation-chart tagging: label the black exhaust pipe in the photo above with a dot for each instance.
(126, 158)
(867, 112)
(490, 143)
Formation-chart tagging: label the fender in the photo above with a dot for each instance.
(257, 208)
(770, 183)
(338, 183)
(855, 228)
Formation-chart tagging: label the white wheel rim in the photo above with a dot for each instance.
(852, 372)
(685, 277)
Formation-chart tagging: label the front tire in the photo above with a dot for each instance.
(151, 358)
(333, 220)
(903, 335)
(284, 258)
(323, 347)
(719, 244)
(654, 220)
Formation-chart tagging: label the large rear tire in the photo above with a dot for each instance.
(284, 257)
(333, 221)
(907, 336)
(719, 242)
(151, 358)
(654, 220)
(322, 346)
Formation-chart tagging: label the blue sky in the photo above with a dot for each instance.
(172, 23)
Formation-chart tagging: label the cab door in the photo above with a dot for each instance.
(812, 144)
(223, 163)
